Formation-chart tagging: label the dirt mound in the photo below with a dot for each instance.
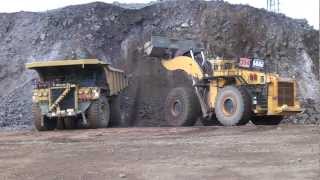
(117, 35)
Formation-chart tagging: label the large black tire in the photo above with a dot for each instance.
(266, 120)
(213, 121)
(98, 114)
(48, 124)
(182, 107)
(233, 106)
(70, 123)
(115, 116)
(60, 124)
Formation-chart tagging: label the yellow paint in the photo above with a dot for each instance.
(184, 63)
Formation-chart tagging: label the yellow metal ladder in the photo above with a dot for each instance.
(61, 97)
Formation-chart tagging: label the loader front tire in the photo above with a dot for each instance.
(233, 106)
(182, 107)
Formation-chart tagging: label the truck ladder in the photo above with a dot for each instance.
(61, 97)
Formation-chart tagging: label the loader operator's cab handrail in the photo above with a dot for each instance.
(205, 65)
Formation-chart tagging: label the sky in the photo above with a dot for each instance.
(301, 9)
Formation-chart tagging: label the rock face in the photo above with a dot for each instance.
(117, 35)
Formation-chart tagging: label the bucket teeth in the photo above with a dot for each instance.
(163, 46)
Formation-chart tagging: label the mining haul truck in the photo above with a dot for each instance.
(225, 92)
(74, 94)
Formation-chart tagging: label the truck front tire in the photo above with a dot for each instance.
(233, 106)
(48, 124)
(182, 107)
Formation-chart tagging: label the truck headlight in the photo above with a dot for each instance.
(254, 100)
(95, 93)
(34, 99)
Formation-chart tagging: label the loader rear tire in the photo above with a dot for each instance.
(233, 106)
(182, 107)
(48, 124)
(98, 114)
(267, 120)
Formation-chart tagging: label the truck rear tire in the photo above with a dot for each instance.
(98, 114)
(233, 106)
(182, 107)
(267, 120)
(115, 112)
(48, 124)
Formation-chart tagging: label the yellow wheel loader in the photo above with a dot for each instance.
(225, 92)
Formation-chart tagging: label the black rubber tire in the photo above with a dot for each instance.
(70, 123)
(267, 120)
(213, 121)
(240, 99)
(98, 114)
(115, 112)
(189, 106)
(60, 124)
(48, 124)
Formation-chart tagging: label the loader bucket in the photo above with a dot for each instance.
(163, 46)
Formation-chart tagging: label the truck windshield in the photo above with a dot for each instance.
(86, 77)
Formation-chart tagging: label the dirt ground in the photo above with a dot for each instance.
(248, 152)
